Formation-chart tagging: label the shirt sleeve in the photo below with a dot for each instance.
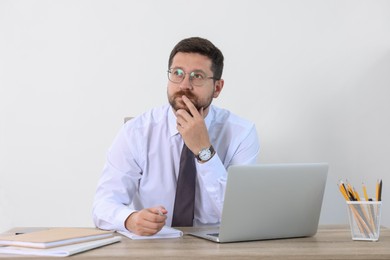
(212, 177)
(116, 186)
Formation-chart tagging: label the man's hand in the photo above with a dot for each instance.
(147, 222)
(192, 127)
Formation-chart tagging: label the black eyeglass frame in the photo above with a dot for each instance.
(191, 77)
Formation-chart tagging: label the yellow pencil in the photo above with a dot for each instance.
(343, 191)
(365, 192)
(377, 190)
(356, 194)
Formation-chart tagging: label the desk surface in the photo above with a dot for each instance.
(331, 242)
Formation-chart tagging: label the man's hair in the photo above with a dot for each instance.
(203, 47)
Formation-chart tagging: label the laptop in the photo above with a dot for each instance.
(270, 201)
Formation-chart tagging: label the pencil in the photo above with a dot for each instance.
(365, 192)
(364, 218)
(356, 194)
(343, 191)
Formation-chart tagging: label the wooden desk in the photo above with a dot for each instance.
(331, 242)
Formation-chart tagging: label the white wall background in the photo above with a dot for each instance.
(313, 75)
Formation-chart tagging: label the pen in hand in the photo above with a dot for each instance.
(161, 211)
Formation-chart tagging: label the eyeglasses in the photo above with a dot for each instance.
(197, 77)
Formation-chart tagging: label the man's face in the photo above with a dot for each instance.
(200, 96)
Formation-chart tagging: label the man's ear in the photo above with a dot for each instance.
(218, 87)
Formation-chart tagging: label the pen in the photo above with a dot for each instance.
(159, 211)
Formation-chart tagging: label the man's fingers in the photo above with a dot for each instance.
(154, 216)
(145, 231)
(201, 112)
(147, 222)
(152, 223)
(190, 105)
(159, 210)
(183, 117)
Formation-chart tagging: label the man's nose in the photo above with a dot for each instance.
(186, 83)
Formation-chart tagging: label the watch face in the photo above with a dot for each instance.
(205, 154)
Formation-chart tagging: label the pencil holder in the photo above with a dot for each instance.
(364, 219)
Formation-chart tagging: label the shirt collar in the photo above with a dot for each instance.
(172, 122)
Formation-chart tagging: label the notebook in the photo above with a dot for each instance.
(53, 237)
(59, 251)
(270, 201)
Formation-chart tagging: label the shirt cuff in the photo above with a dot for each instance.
(121, 217)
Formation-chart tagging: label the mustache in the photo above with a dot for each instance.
(186, 93)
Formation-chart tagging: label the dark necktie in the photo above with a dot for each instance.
(183, 211)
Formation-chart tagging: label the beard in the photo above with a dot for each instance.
(175, 100)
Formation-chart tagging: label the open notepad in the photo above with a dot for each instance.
(165, 232)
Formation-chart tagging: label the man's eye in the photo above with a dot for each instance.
(178, 73)
(197, 75)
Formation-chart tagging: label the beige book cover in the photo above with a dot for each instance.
(54, 237)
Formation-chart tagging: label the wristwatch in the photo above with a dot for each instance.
(206, 154)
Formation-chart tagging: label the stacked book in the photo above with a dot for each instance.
(56, 241)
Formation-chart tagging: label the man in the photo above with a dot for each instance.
(137, 190)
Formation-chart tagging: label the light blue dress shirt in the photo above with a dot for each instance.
(143, 164)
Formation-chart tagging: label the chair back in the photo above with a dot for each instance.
(127, 118)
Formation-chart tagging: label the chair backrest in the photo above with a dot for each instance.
(127, 118)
